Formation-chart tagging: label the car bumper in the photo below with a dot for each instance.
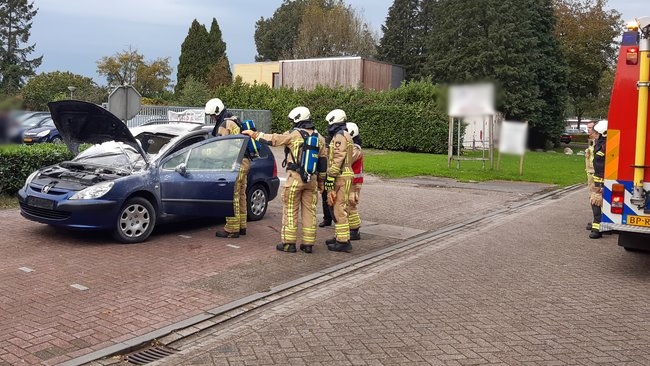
(274, 186)
(34, 140)
(74, 214)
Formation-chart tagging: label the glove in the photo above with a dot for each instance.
(331, 198)
(329, 184)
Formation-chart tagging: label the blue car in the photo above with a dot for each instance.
(128, 182)
(47, 132)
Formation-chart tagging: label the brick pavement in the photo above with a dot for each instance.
(180, 272)
(528, 289)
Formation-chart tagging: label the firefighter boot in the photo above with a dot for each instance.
(595, 234)
(306, 248)
(589, 226)
(355, 234)
(242, 231)
(289, 248)
(325, 222)
(340, 247)
(329, 242)
(225, 234)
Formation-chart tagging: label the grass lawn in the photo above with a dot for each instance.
(541, 167)
(7, 201)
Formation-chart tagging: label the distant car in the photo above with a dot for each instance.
(566, 138)
(131, 180)
(47, 132)
(27, 121)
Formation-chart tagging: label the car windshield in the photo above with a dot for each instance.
(152, 142)
(110, 154)
(33, 121)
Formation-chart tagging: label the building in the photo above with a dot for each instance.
(352, 72)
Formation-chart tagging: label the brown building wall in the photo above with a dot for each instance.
(308, 74)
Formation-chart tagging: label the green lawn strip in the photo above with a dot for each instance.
(540, 167)
(7, 202)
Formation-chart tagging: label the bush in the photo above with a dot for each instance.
(17, 162)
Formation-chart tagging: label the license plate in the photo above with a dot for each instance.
(27, 139)
(639, 221)
(40, 202)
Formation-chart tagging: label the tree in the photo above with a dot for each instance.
(129, 67)
(15, 28)
(195, 58)
(219, 72)
(330, 28)
(46, 87)
(313, 28)
(508, 42)
(398, 44)
(193, 93)
(275, 36)
(585, 30)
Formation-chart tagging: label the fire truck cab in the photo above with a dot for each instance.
(626, 193)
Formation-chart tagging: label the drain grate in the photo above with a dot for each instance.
(149, 355)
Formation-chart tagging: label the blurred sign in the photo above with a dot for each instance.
(471, 100)
(188, 115)
(124, 102)
(513, 137)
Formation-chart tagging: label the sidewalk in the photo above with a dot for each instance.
(529, 288)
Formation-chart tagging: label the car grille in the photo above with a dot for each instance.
(44, 212)
(52, 191)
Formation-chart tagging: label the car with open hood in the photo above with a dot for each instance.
(127, 181)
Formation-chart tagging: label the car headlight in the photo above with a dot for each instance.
(30, 178)
(93, 192)
(43, 133)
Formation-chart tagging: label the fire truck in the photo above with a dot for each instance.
(626, 193)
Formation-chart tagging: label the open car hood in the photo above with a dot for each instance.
(87, 123)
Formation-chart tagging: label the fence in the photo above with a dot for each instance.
(152, 113)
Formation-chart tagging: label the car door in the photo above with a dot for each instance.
(200, 180)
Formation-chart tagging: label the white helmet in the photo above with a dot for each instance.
(601, 127)
(336, 116)
(299, 114)
(214, 106)
(353, 129)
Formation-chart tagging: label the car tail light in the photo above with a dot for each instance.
(632, 57)
(618, 199)
(275, 168)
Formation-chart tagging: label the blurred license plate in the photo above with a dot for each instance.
(639, 221)
(27, 139)
(40, 202)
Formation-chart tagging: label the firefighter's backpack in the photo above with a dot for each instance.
(253, 145)
(308, 162)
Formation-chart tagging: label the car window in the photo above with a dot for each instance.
(220, 155)
(152, 142)
(188, 142)
(48, 123)
(172, 163)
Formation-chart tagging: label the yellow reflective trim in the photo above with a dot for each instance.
(612, 151)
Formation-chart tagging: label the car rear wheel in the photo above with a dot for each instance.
(135, 222)
(258, 201)
(57, 140)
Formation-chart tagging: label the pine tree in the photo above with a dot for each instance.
(195, 58)
(508, 42)
(398, 44)
(219, 72)
(15, 26)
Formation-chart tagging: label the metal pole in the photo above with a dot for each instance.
(458, 152)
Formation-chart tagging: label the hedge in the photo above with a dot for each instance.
(17, 162)
(408, 118)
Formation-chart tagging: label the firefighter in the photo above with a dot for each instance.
(298, 193)
(357, 168)
(589, 161)
(327, 209)
(227, 124)
(339, 179)
(599, 173)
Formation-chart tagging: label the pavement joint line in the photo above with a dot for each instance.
(233, 246)
(79, 287)
(234, 309)
(26, 269)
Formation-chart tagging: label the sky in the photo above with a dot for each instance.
(72, 35)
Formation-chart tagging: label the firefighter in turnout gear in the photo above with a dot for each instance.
(339, 179)
(589, 161)
(227, 124)
(306, 165)
(357, 168)
(599, 173)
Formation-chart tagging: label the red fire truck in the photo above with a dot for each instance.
(626, 195)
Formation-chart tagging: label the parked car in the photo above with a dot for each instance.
(565, 137)
(27, 121)
(128, 184)
(47, 132)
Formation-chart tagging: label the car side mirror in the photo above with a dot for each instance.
(181, 169)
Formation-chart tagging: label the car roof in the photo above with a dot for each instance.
(169, 128)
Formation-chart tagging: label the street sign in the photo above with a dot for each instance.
(124, 102)
(471, 100)
(513, 137)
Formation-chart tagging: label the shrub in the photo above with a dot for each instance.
(17, 162)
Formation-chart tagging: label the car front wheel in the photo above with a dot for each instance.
(135, 222)
(258, 201)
